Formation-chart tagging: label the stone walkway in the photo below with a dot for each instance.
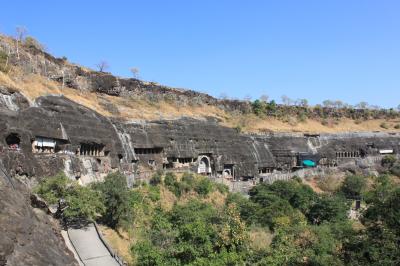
(90, 248)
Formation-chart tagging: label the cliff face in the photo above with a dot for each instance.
(28, 236)
(88, 145)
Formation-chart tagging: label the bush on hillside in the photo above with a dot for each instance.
(388, 160)
(156, 179)
(203, 186)
(3, 62)
(395, 169)
(31, 42)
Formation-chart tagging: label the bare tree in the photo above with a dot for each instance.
(303, 102)
(362, 105)
(21, 32)
(327, 103)
(338, 104)
(264, 98)
(286, 100)
(102, 66)
(135, 72)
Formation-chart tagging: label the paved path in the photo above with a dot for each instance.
(90, 248)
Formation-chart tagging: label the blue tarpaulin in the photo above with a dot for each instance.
(309, 163)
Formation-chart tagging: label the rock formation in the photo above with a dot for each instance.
(28, 236)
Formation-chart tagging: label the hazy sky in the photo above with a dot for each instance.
(348, 50)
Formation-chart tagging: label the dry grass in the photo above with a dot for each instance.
(260, 238)
(252, 123)
(314, 184)
(119, 241)
(167, 199)
(216, 198)
(131, 108)
(330, 183)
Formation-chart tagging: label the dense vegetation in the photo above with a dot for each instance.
(189, 220)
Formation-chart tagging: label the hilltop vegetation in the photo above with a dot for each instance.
(189, 220)
(26, 67)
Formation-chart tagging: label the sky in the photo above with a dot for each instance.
(333, 49)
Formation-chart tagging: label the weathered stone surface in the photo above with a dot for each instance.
(134, 147)
(28, 236)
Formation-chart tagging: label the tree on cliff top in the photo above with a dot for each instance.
(102, 66)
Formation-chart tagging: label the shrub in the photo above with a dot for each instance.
(203, 186)
(156, 179)
(189, 179)
(302, 117)
(221, 188)
(3, 62)
(154, 193)
(239, 128)
(31, 42)
(388, 160)
(384, 125)
(172, 184)
(170, 179)
(395, 170)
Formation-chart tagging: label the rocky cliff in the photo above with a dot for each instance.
(28, 236)
(87, 145)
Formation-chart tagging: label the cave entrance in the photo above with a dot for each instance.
(204, 165)
(13, 141)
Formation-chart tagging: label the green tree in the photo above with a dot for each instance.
(327, 208)
(233, 234)
(81, 202)
(248, 209)
(258, 107)
(116, 200)
(53, 188)
(304, 245)
(353, 186)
